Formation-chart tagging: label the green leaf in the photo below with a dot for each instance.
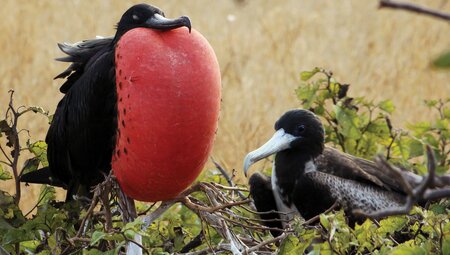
(97, 236)
(443, 61)
(47, 194)
(446, 246)
(387, 106)
(4, 175)
(98, 252)
(16, 236)
(391, 224)
(37, 109)
(324, 221)
(308, 95)
(306, 75)
(403, 249)
(415, 148)
(348, 122)
(30, 165)
(431, 103)
(446, 113)
(291, 245)
(39, 149)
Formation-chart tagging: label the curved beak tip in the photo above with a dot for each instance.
(187, 22)
(247, 163)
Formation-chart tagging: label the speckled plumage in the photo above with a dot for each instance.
(310, 177)
(356, 195)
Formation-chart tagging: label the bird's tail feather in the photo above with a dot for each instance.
(42, 176)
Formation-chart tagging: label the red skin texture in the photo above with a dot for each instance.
(168, 86)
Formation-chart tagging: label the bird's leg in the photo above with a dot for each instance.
(104, 197)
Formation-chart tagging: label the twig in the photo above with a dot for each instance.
(233, 188)
(394, 173)
(188, 203)
(414, 195)
(227, 177)
(264, 243)
(194, 243)
(317, 217)
(414, 8)
(135, 243)
(16, 146)
(6, 156)
(88, 214)
(37, 204)
(148, 220)
(104, 189)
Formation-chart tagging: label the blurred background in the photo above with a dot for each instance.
(261, 45)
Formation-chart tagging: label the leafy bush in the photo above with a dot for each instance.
(215, 214)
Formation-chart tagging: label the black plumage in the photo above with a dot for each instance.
(82, 135)
(261, 191)
(309, 178)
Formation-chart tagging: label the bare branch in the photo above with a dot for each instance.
(414, 8)
(227, 177)
(149, 219)
(423, 191)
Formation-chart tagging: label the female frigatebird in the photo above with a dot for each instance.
(102, 102)
(308, 178)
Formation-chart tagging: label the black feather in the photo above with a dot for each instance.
(82, 135)
(262, 194)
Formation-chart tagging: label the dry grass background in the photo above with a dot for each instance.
(261, 46)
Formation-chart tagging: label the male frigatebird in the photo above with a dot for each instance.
(308, 178)
(85, 134)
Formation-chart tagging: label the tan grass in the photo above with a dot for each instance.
(261, 47)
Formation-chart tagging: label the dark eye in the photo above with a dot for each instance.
(301, 129)
(135, 17)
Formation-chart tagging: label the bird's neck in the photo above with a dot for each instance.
(292, 163)
(288, 166)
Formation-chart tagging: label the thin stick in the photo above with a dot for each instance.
(264, 243)
(414, 8)
(227, 177)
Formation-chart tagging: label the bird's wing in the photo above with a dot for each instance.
(352, 194)
(81, 136)
(344, 165)
(42, 176)
(350, 167)
(80, 55)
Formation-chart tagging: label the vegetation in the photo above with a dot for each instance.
(214, 213)
(261, 46)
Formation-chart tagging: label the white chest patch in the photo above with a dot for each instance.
(288, 211)
(310, 166)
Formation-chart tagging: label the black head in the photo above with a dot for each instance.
(307, 129)
(298, 131)
(144, 15)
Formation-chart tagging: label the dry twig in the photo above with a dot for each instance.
(425, 190)
(414, 8)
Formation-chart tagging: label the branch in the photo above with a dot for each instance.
(414, 8)
(227, 177)
(216, 211)
(420, 192)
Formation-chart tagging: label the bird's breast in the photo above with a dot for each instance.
(168, 87)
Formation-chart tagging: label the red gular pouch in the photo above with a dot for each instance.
(168, 93)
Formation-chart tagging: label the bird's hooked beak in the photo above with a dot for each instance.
(280, 141)
(160, 22)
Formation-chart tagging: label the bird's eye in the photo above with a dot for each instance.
(135, 17)
(301, 129)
